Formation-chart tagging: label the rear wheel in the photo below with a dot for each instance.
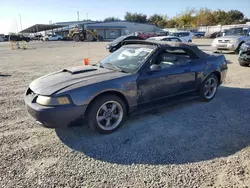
(76, 38)
(209, 88)
(106, 114)
(198, 36)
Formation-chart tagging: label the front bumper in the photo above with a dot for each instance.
(224, 46)
(244, 54)
(55, 117)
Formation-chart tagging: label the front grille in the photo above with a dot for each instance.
(223, 41)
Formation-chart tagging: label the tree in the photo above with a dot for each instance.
(186, 18)
(204, 16)
(111, 19)
(154, 19)
(136, 17)
(162, 23)
(221, 17)
(235, 16)
(171, 23)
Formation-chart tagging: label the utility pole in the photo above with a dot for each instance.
(77, 16)
(20, 22)
(16, 26)
(87, 16)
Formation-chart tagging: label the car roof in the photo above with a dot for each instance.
(181, 32)
(162, 37)
(165, 44)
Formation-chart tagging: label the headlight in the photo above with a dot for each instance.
(51, 101)
(233, 41)
(214, 41)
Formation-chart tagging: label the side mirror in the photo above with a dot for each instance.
(155, 68)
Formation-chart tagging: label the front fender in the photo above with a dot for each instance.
(84, 95)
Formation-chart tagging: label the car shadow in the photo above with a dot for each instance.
(189, 132)
(5, 75)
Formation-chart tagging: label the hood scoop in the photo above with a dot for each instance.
(79, 69)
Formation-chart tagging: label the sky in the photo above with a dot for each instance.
(44, 11)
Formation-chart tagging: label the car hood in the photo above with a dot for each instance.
(229, 37)
(86, 75)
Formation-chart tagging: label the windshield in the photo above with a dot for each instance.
(174, 34)
(236, 31)
(119, 39)
(128, 58)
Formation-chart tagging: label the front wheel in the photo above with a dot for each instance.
(244, 64)
(106, 114)
(209, 88)
(76, 38)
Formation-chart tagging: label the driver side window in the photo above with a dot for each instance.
(166, 60)
(170, 58)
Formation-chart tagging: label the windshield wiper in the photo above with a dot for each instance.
(115, 67)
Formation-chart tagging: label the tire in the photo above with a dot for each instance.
(243, 64)
(190, 41)
(90, 37)
(96, 111)
(59, 39)
(76, 38)
(198, 36)
(204, 94)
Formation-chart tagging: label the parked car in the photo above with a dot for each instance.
(37, 37)
(216, 34)
(18, 38)
(185, 36)
(52, 38)
(198, 34)
(232, 40)
(6, 38)
(139, 76)
(116, 44)
(244, 54)
(1, 38)
(166, 38)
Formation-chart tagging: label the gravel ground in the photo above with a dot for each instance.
(193, 144)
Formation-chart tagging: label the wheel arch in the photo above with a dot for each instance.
(216, 73)
(110, 92)
(239, 45)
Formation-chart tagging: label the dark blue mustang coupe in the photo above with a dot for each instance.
(140, 75)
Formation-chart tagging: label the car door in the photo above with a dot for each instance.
(175, 77)
(53, 37)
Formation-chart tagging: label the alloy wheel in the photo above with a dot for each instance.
(109, 115)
